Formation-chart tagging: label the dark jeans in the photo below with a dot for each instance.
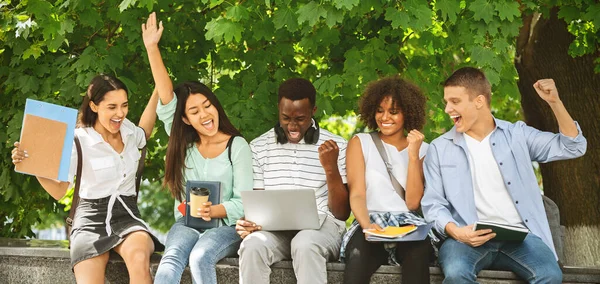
(363, 258)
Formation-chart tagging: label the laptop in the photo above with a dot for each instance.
(283, 210)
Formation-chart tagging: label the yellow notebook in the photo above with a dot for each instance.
(391, 232)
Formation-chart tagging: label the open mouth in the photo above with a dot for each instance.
(294, 134)
(116, 123)
(209, 124)
(456, 118)
(386, 124)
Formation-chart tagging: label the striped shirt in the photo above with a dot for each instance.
(294, 166)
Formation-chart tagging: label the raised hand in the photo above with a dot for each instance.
(415, 139)
(546, 89)
(151, 32)
(328, 155)
(18, 154)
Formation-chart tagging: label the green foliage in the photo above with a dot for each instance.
(49, 50)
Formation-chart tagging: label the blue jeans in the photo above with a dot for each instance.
(532, 260)
(203, 250)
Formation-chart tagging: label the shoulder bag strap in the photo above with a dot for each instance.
(75, 200)
(229, 148)
(140, 170)
(379, 145)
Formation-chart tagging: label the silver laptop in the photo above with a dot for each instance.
(282, 210)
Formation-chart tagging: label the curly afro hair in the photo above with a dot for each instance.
(405, 96)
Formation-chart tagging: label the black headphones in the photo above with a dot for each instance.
(310, 137)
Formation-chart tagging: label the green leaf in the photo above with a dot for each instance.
(593, 15)
(66, 26)
(449, 9)
(483, 10)
(220, 28)
(147, 3)
(334, 16)
(311, 13)
(126, 4)
(398, 18)
(569, 13)
(285, 17)
(421, 12)
(34, 50)
(348, 4)
(237, 13)
(508, 10)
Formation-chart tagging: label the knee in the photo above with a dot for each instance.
(305, 247)
(458, 272)
(252, 246)
(137, 256)
(203, 256)
(549, 274)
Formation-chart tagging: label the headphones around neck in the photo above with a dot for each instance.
(310, 137)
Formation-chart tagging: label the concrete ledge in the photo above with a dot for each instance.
(35, 261)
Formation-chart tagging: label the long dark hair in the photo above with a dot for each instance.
(96, 91)
(184, 136)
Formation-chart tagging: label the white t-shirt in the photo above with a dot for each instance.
(492, 199)
(294, 165)
(381, 195)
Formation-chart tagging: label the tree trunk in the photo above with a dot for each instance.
(542, 52)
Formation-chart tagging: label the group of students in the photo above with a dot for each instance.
(479, 170)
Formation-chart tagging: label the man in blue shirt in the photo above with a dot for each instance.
(481, 170)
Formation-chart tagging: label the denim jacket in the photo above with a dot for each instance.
(449, 195)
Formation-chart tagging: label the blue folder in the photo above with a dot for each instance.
(61, 114)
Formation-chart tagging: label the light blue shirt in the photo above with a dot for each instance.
(234, 176)
(448, 184)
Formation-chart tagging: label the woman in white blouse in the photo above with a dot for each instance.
(396, 108)
(107, 216)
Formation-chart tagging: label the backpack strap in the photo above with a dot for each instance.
(75, 200)
(229, 148)
(379, 145)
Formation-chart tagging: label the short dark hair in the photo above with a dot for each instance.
(405, 95)
(99, 86)
(473, 80)
(297, 89)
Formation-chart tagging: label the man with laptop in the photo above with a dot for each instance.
(293, 158)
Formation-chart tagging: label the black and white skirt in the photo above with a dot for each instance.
(89, 237)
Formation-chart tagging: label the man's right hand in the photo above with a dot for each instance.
(245, 228)
(467, 236)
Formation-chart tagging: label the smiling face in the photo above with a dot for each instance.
(202, 115)
(389, 117)
(295, 117)
(111, 111)
(463, 110)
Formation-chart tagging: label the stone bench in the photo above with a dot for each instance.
(39, 261)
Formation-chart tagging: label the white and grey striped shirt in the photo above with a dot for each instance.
(294, 166)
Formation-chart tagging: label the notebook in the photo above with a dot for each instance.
(47, 135)
(215, 197)
(282, 210)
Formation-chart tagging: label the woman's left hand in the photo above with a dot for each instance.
(204, 211)
(415, 139)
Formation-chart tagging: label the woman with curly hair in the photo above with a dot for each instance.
(396, 109)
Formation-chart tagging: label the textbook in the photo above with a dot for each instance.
(504, 232)
(399, 234)
(206, 191)
(47, 135)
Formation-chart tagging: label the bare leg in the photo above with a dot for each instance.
(136, 251)
(91, 271)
